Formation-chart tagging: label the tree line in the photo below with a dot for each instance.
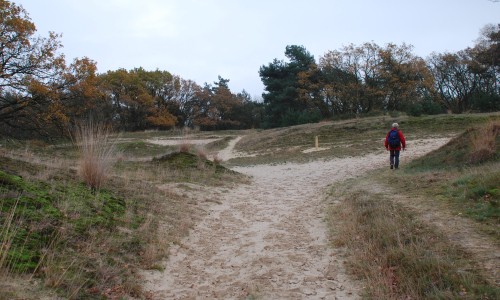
(368, 78)
(41, 94)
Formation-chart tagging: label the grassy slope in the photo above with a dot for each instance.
(405, 256)
(346, 138)
(82, 244)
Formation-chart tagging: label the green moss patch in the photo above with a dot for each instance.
(48, 227)
(30, 221)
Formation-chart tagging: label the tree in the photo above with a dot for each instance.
(359, 79)
(486, 64)
(454, 81)
(405, 78)
(359, 68)
(216, 107)
(250, 114)
(468, 80)
(179, 95)
(80, 94)
(287, 86)
(488, 46)
(136, 99)
(339, 90)
(155, 83)
(28, 65)
(225, 103)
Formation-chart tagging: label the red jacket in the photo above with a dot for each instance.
(401, 138)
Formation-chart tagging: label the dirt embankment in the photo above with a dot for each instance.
(268, 238)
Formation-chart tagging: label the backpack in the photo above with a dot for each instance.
(394, 141)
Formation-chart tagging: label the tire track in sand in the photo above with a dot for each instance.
(268, 239)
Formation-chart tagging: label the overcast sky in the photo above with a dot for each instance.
(201, 39)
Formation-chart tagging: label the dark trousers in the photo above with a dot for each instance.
(394, 159)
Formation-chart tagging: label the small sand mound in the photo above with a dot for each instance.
(186, 160)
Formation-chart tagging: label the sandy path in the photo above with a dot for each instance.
(268, 238)
(229, 152)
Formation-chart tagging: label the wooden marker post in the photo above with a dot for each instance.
(316, 142)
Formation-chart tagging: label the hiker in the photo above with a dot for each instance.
(394, 141)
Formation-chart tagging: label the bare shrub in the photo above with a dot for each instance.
(97, 149)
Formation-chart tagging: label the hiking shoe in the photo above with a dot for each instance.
(392, 167)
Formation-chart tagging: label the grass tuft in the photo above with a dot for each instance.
(97, 150)
(184, 147)
(483, 143)
(202, 154)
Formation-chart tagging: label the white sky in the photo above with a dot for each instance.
(201, 39)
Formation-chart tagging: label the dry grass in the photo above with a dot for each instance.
(7, 233)
(484, 142)
(398, 256)
(201, 153)
(184, 147)
(97, 150)
(216, 159)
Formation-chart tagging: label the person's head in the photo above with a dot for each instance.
(395, 125)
